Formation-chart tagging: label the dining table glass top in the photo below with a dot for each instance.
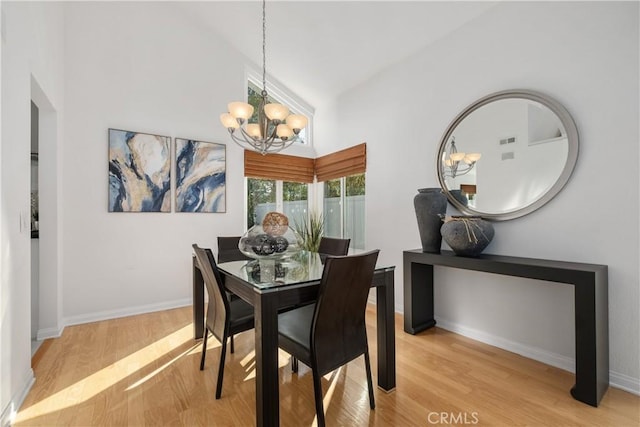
(301, 267)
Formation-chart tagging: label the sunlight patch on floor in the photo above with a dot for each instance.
(99, 381)
(161, 368)
(333, 378)
(249, 363)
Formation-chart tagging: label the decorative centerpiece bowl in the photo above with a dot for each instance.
(274, 239)
(467, 235)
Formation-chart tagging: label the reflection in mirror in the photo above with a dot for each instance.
(507, 154)
(458, 163)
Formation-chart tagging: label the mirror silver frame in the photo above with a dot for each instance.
(572, 156)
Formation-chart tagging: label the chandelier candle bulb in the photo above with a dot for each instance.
(253, 129)
(284, 132)
(276, 112)
(474, 157)
(228, 121)
(296, 122)
(240, 110)
(456, 157)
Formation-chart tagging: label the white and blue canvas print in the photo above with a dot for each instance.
(139, 172)
(200, 176)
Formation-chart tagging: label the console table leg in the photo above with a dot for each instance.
(592, 337)
(418, 297)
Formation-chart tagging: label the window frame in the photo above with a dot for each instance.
(278, 91)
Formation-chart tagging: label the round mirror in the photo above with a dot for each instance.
(507, 154)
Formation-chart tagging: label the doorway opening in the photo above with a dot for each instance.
(35, 242)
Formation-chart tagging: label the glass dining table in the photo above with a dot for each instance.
(270, 285)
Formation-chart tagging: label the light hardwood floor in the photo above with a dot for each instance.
(144, 370)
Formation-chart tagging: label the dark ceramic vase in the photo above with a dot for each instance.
(430, 205)
(467, 235)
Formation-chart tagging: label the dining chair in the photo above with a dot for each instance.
(332, 332)
(225, 317)
(333, 246)
(228, 250)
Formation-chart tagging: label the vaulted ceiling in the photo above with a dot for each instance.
(318, 49)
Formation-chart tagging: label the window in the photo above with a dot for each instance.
(275, 94)
(267, 195)
(295, 196)
(343, 209)
(332, 209)
(261, 198)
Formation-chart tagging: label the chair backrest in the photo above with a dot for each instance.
(228, 249)
(218, 308)
(338, 332)
(332, 246)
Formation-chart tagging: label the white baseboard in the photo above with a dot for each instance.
(124, 312)
(9, 412)
(617, 380)
(553, 359)
(624, 382)
(109, 314)
(43, 334)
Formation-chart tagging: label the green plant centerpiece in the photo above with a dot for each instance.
(310, 228)
(467, 235)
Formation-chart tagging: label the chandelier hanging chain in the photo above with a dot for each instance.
(276, 129)
(264, 47)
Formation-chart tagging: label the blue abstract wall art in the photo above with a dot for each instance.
(139, 172)
(200, 176)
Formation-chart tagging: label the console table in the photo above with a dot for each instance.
(590, 283)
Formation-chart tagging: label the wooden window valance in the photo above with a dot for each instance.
(278, 167)
(349, 161)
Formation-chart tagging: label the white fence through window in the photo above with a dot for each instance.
(354, 208)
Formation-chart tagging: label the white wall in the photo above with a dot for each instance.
(139, 67)
(586, 56)
(32, 47)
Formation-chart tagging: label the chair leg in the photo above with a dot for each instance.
(232, 349)
(294, 364)
(317, 391)
(367, 364)
(204, 348)
(223, 352)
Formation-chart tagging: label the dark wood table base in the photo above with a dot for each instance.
(266, 303)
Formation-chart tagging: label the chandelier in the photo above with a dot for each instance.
(275, 130)
(458, 163)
